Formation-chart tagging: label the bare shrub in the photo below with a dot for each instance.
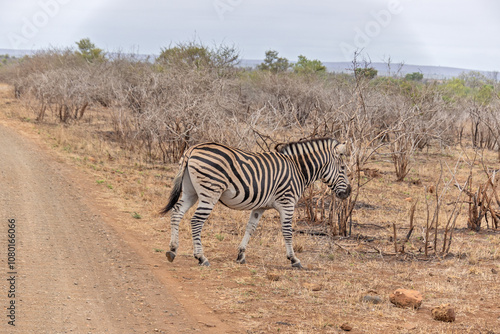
(41, 62)
(434, 207)
(186, 97)
(60, 82)
(420, 118)
(363, 125)
(481, 202)
(292, 100)
(64, 91)
(485, 125)
(482, 123)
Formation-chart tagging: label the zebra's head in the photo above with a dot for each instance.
(335, 173)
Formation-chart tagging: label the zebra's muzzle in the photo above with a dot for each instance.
(343, 194)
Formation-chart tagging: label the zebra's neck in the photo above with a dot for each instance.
(310, 157)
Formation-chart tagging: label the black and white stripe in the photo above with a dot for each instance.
(241, 180)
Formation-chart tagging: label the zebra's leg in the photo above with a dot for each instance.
(188, 198)
(251, 225)
(201, 214)
(286, 227)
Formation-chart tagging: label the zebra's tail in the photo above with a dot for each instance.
(177, 189)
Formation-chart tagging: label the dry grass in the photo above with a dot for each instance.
(342, 271)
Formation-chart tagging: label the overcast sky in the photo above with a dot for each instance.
(455, 33)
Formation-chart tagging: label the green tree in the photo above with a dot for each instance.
(366, 72)
(474, 79)
(454, 89)
(191, 55)
(415, 76)
(274, 63)
(471, 85)
(196, 55)
(306, 66)
(485, 94)
(89, 51)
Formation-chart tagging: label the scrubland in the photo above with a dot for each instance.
(423, 158)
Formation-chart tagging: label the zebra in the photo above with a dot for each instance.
(212, 172)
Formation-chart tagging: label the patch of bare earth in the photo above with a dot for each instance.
(266, 295)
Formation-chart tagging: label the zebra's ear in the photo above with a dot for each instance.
(341, 148)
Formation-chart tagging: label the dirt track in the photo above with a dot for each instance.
(76, 270)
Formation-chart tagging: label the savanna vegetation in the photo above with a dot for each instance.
(423, 161)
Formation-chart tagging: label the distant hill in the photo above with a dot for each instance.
(15, 53)
(429, 72)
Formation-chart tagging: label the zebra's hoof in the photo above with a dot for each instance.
(202, 260)
(205, 263)
(241, 258)
(297, 265)
(170, 256)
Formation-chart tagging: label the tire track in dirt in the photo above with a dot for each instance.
(75, 272)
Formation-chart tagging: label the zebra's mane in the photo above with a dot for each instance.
(286, 147)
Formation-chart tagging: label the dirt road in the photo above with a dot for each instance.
(71, 270)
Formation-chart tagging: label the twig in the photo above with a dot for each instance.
(378, 250)
(395, 237)
(427, 226)
(342, 247)
(412, 215)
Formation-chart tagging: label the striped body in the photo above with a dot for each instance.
(252, 181)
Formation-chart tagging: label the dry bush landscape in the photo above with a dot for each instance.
(423, 159)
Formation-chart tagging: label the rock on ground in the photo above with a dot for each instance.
(346, 327)
(444, 313)
(372, 299)
(406, 298)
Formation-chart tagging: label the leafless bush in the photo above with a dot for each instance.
(402, 148)
(40, 62)
(291, 99)
(60, 82)
(64, 91)
(482, 197)
(419, 119)
(363, 126)
(177, 102)
(433, 220)
(481, 202)
(485, 125)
